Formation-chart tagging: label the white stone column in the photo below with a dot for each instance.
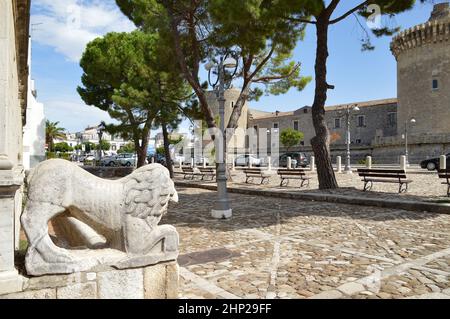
(269, 163)
(250, 164)
(312, 164)
(180, 163)
(443, 162)
(369, 162)
(204, 162)
(289, 163)
(9, 278)
(153, 160)
(233, 164)
(339, 164)
(192, 162)
(11, 173)
(403, 163)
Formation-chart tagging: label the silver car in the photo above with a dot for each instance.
(126, 159)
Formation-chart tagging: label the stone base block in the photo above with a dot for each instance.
(158, 281)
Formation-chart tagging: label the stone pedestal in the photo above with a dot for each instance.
(339, 164)
(443, 162)
(158, 281)
(369, 162)
(313, 164)
(9, 186)
(403, 162)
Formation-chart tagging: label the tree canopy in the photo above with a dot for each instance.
(199, 30)
(52, 132)
(290, 138)
(131, 76)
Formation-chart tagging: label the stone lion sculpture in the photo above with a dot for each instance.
(115, 222)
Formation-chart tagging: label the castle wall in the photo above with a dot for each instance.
(423, 56)
(376, 124)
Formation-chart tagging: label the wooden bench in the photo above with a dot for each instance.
(207, 172)
(397, 176)
(445, 173)
(251, 173)
(287, 174)
(189, 171)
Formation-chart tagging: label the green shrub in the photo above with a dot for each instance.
(364, 162)
(51, 155)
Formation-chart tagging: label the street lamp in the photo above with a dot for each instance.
(100, 129)
(412, 121)
(225, 69)
(349, 109)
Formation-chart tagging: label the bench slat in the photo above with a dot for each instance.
(404, 181)
(397, 176)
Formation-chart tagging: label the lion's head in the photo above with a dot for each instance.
(148, 191)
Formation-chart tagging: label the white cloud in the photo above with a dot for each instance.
(68, 25)
(74, 115)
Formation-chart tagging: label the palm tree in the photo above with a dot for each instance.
(52, 131)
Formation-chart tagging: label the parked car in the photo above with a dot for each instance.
(109, 161)
(246, 159)
(301, 159)
(160, 159)
(433, 163)
(283, 162)
(126, 159)
(89, 159)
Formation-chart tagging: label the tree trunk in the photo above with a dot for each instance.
(167, 149)
(142, 155)
(321, 142)
(142, 150)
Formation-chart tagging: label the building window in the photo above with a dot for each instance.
(361, 121)
(305, 111)
(337, 123)
(275, 125)
(392, 119)
(302, 143)
(296, 128)
(255, 128)
(358, 141)
(435, 84)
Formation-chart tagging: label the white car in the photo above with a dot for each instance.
(245, 160)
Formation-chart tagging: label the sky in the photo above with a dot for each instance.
(62, 28)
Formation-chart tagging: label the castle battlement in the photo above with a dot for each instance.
(426, 33)
(437, 29)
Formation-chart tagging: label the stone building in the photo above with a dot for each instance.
(378, 128)
(14, 34)
(34, 130)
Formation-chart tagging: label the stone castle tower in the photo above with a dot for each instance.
(423, 74)
(231, 96)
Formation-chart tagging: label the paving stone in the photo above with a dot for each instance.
(321, 247)
(351, 288)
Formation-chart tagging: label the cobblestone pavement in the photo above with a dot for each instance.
(425, 186)
(281, 248)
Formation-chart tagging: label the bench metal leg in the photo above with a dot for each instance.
(448, 190)
(368, 185)
(284, 182)
(303, 183)
(402, 189)
(248, 179)
(264, 180)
